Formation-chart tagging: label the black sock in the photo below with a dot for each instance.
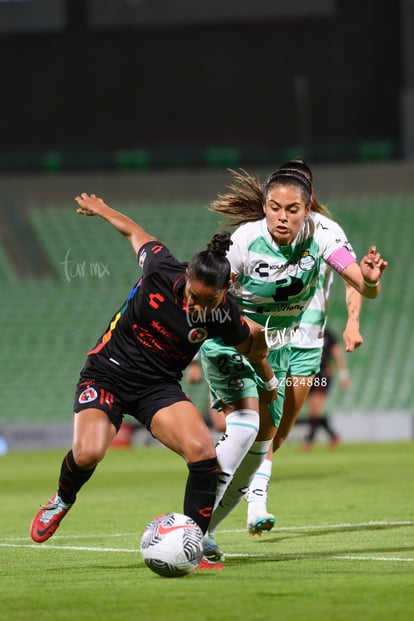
(200, 491)
(72, 478)
(314, 424)
(325, 424)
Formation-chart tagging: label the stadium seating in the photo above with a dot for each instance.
(380, 381)
(50, 323)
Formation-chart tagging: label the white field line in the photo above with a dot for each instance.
(322, 557)
(18, 542)
(292, 557)
(385, 523)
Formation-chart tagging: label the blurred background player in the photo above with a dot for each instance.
(333, 360)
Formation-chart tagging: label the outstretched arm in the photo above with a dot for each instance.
(90, 205)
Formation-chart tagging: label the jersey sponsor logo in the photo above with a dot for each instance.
(263, 269)
(162, 330)
(267, 309)
(287, 287)
(160, 347)
(196, 335)
(87, 395)
(306, 261)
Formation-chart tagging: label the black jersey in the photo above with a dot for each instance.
(153, 336)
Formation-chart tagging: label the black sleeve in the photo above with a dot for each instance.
(153, 255)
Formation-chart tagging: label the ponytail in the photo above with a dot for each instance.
(243, 203)
(211, 266)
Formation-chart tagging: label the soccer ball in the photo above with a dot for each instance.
(172, 545)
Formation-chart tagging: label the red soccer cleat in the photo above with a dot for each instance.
(206, 564)
(46, 521)
(334, 442)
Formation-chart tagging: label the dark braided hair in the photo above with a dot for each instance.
(211, 266)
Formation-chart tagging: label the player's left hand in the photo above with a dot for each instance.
(352, 336)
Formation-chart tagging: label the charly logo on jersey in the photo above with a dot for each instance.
(89, 394)
(196, 335)
(306, 261)
(263, 268)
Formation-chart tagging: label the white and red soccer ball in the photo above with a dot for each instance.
(172, 545)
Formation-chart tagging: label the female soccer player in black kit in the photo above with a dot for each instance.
(136, 366)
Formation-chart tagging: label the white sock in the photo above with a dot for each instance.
(257, 494)
(240, 482)
(241, 429)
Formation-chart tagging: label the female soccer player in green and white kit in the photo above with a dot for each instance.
(305, 357)
(276, 257)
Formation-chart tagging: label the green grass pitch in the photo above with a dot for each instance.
(342, 547)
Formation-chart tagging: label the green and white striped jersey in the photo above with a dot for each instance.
(275, 285)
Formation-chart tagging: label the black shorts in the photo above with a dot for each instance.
(142, 404)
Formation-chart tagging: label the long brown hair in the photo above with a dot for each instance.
(245, 199)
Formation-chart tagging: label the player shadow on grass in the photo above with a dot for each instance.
(244, 559)
(278, 536)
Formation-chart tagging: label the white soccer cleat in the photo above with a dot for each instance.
(259, 522)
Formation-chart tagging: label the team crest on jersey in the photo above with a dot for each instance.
(196, 335)
(306, 261)
(89, 394)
